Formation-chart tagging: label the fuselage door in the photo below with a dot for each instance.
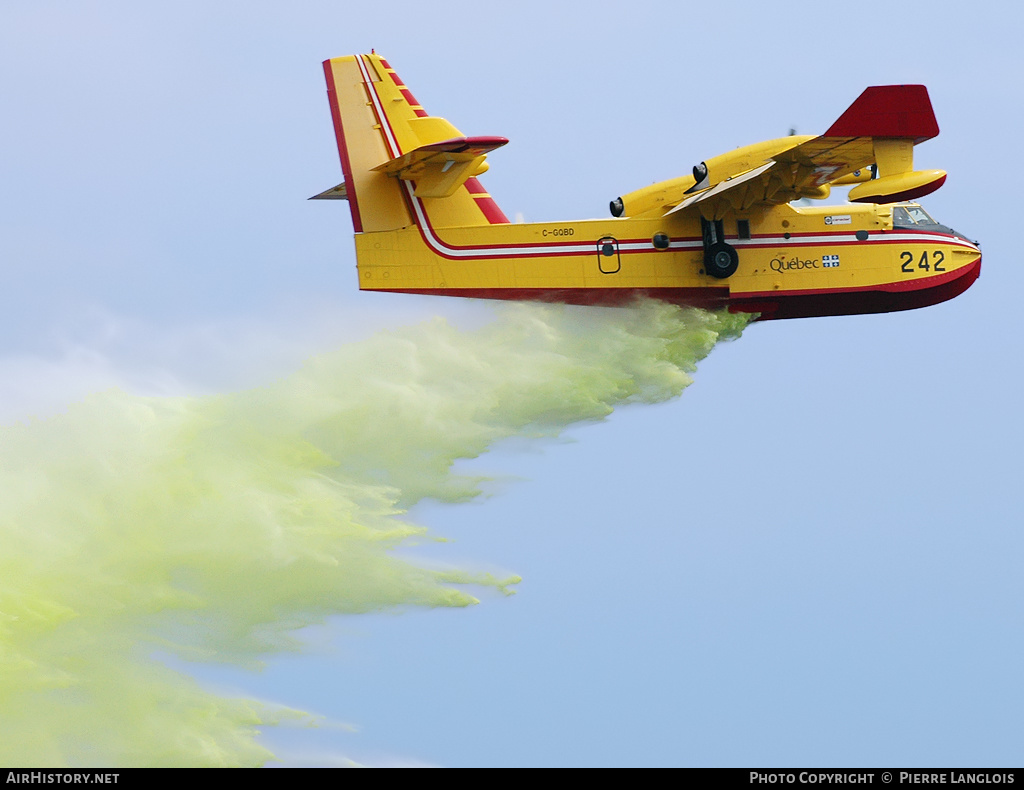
(608, 255)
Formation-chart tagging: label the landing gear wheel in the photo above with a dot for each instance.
(721, 260)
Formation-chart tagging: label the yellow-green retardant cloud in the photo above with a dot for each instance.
(212, 528)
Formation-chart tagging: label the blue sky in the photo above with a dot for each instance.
(812, 557)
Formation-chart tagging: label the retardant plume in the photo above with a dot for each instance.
(213, 528)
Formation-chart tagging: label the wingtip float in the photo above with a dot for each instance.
(728, 235)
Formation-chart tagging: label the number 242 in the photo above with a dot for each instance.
(938, 256)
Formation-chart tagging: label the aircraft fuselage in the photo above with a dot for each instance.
(794, 261)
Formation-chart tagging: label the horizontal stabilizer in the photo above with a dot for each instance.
(439, 169)
(456, 149)
(339, 192)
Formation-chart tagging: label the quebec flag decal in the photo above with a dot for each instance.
(830, 261)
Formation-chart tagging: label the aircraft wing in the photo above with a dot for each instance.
(822, 160)
(880, 128)
(802, 171)
(732, 183)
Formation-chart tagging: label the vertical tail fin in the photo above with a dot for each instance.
(401, 165)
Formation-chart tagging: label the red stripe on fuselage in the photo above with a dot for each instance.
(709, 298)
(856, 301)
(770, 305)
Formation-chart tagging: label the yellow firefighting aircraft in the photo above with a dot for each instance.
(727, 236)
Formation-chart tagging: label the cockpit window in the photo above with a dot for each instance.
(919, 215)
(911, 215)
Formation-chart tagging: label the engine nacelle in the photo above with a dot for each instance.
(718, 168)
(658, 197)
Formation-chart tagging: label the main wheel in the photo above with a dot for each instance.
(721, 260)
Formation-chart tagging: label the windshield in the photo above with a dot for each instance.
(911, 215)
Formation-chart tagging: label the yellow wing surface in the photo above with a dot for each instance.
(871, 145)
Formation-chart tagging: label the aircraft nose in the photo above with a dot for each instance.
(962, 236)
(974, 242)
